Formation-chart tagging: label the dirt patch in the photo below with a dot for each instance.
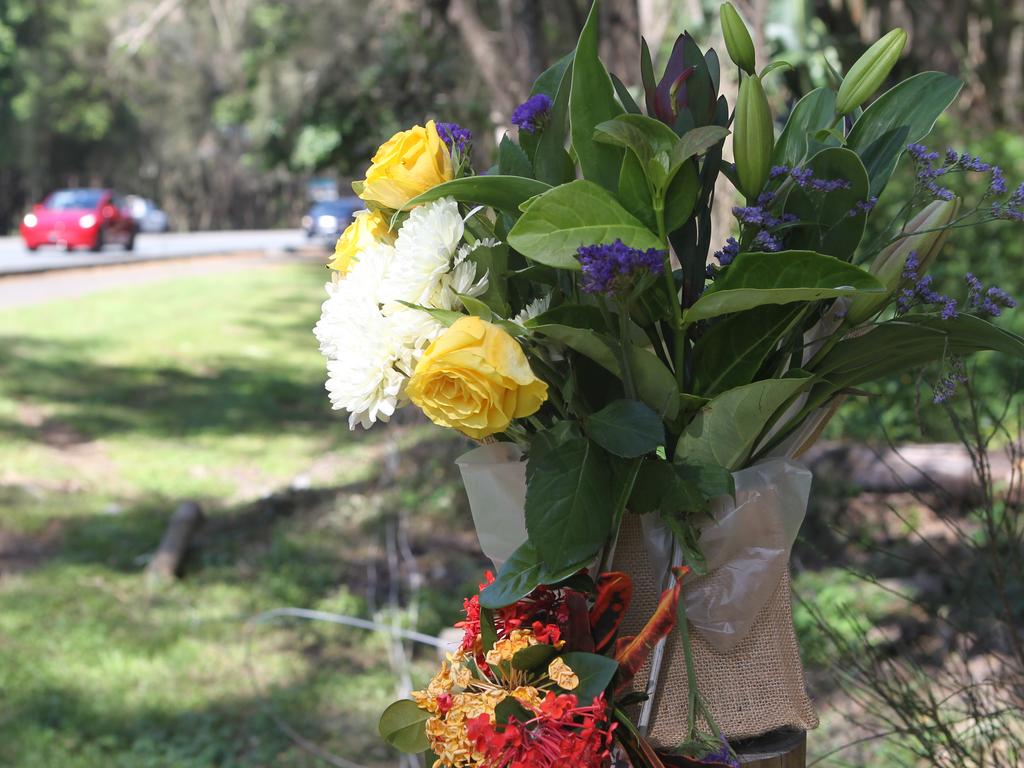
(21, 552)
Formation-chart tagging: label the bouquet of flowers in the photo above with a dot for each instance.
(567, 303)
(528, 685)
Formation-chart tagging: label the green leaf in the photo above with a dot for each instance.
(493, 259)
(592, 101)
(681, 197)
(551, 79)
(594, 671)
(733, 350)
(827, 225)
(626, 428)
(533, 656)
(578, 213)
(756, 279)
(902, 115)
(655, 383)
(403, 726)
(814, 112)
(600, 348)
(725, 430)
(625, 97)
(476, 307)
(488, 632)
(911, 342)
(505, 193)
(575, 315)
(696, 142)
(569, 503)
(634, 192)
(660, 487)
(520, 575)
(509, 708)
(643, 135)
(551, 163)
(711, 479)
(512, 160)
(444, 316)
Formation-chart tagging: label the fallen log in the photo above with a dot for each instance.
(182, 526)
(924, 468)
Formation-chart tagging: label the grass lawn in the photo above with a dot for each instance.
(116, 406)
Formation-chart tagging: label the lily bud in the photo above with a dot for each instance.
(870, 71)
(753, 137)
(737, 38)
(889, 264)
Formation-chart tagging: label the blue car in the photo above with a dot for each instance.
(328, 219)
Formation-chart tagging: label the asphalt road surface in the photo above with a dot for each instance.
(15, 259)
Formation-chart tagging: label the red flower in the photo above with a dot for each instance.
(561, 731)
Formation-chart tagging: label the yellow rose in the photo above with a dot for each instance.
(406, 165)
(367, 228)
(475, 378)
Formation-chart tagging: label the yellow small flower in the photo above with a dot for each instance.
(562, 674)
(367, 228)
(406, 165)
(447, 731)
(528, 696)
(475, 378)
(505, 649)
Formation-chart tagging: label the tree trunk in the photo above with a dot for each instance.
(491, 59)
(620, 39)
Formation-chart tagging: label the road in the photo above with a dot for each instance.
(14, 259)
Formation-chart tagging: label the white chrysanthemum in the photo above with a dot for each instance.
(371, 339)
(461, 280)
(534, 308)
(425, 251)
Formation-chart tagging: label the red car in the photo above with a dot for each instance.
(79, 218)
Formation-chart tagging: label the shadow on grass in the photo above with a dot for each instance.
(228, 396)
(57, 726)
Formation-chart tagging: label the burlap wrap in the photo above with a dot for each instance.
(755, 688)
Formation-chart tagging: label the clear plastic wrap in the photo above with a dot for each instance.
(747, 549)
(495, 480)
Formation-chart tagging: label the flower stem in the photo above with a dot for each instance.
(678, 354)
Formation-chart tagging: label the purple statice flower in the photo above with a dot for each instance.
(863, 206)
(610, 267)
(1013, 208)
(455, 136)
(947, 385)
(997, 184)
(926, 173)
(805, 179)
(751, 214)
(996, 300)
(532, 115)
(989, 302)
(766, 241)
(722, 754)
(969, 163)
(952, 156)
(919, 291)
(921, 154)
(779, 171)
(729, 251)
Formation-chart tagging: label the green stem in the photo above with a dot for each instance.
(691, 674)
(626, 343)
(620, 510)
(679, 351)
